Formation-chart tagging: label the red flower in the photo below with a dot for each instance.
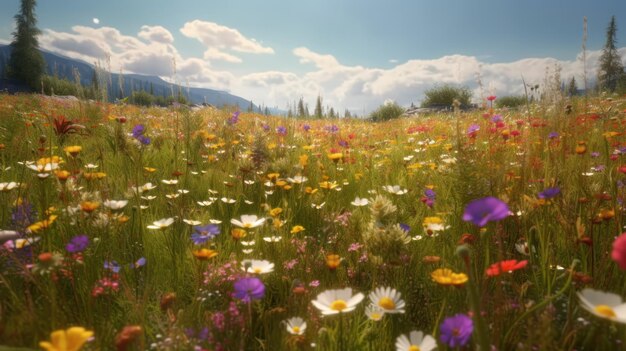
(505, 266)
(619, 251)
(491, 97)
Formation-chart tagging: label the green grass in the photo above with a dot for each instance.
(535, 307)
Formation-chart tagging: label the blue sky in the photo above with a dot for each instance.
(350, 52)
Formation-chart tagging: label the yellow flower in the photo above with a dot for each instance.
(38, 226)
(335, 157)
(71, 339)
(333, 261)
(73, 150)
(328, 185)
(297, 229)
(303, 160)
(276, 211)
(445, 276)
(94, 175)
(149, 169)
(238, 233)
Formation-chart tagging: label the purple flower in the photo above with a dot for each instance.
(482, 211)
(266, 127)
(78, 244)
(549, 193)
(144, 139)
(248, 289)
(202, 234)
(595, 154)
(496, 119)
(234, 118)
(553, 135)
(456, 331)
(405, 227)
(306, 127)
(332, 128)
(138, 130)
(113, 266)
(281, 130)
(140, 262)
(473, 129)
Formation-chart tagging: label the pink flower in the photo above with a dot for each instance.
(619, 251)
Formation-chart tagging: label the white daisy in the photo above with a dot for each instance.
(257, 266)
(395, 189)
(388, 300)
(337, 301)
(360, 202)
(248, 221)
(295, 325)
(8, 186)
(416, 341)
(115, 204)
(161, 223)
(603, 304)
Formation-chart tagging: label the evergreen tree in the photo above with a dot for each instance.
(331, 113)
(251, 107)
(301, 111)
(318, 108)
(572, 89)
(611, 69)
(26, 62)
(347, 114)
(3, 67)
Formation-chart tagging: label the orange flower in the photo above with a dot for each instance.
(333, 261)
(238, 233)
(62, 175)
(204, 254)
(505, 266)
(89, 206)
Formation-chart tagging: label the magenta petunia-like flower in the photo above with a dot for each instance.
(488, 209)
(248, 289)
(78, 244)
(456, 331)
(619, 251)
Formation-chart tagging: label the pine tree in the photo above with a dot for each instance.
(572, 89)
(301, 111)
(331, 113)
(318, 108)
(26, 62)
(611, 69)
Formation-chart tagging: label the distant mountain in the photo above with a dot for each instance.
(63, 67)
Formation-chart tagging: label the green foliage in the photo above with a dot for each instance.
(510, 101)
(445, 95)
(56, 86)
(611, 70)
(26, 62)
(142, 98)
(387, 112)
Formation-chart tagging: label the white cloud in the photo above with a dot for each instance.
(151, 52)
(358, 88)
(156, 33)
(215, 54)
(213, 35)
(95, 20)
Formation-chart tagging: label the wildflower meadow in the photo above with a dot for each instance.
(128, 228)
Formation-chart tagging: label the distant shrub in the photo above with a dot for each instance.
(56, 86)
(445, 95)
(387, 111)
(510, 101)
(141, 98)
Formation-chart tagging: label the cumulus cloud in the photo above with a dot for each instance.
(150, 52)
(362, 89)
(156, 34)
(358, 88)
(218, 38)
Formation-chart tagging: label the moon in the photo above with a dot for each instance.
(96, 20)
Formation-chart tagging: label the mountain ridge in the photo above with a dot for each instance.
(65, 68)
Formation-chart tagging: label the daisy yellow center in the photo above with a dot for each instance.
(605, 311)
(376, 316)
(414, 348)
(386, 303)
(257, 270)
(247, 225)
(296, 330)
(338, 305)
